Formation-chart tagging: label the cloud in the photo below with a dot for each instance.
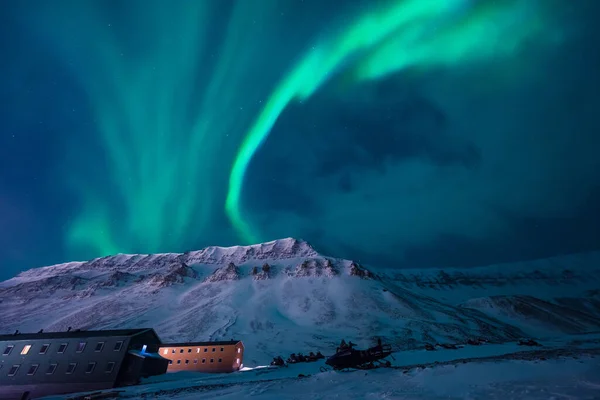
(470, 158)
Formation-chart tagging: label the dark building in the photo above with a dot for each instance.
(204, 356)
(41, 364)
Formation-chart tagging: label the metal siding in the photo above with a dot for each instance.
(40, 379)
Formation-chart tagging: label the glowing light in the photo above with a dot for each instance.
(422, 33)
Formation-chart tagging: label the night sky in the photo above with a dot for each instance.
(401, 133)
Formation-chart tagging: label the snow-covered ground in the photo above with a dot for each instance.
(283, 297)
(551, 373)
(560, 379)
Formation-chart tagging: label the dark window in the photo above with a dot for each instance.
(71, 368)
(8, 350)
(80, 347)
(178, 361)
(204, 361)
(51, 369)
(90, 367)
(205, 349)
(187, 361)
(214, 349)
(44, 348)
(196, 361)
(62, 348)
(220, 360)
(189, 350)
(14, 369)
(222, 349)
(118, 345)
(212, 360)
(109, 367)
(99, 347)
(32, 369)
(170, 362)
(181, 351)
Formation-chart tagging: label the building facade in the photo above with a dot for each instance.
(212, 357)
(42, 364)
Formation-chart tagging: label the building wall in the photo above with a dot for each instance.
(204, 358)
(48, 389)
(62, 366)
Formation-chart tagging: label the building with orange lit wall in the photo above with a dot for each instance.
(215, 357)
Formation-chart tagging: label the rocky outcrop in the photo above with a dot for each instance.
(45, 286)
(117, 278)
(175, 274)
(265, 272)
(314, 268)
(360, 271)
(228, 273)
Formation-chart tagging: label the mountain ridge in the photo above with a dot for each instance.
(280, 295)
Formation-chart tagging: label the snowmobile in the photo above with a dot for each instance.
(349, 358)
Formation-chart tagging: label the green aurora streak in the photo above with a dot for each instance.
(409, 33)
(160, 153)
(163, 157)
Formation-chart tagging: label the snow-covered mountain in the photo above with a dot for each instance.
(283, 296)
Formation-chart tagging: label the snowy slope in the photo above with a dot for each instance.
(546, 297)
(299, 301)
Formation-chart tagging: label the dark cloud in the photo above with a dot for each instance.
(461, 167)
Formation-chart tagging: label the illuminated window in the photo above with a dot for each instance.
(239, 349)
(109, 367)
(99, 347)
(25, 349)
(90, 367)
(166, 351)
(80, 347)
(118, 345)
(8, 350)
(237, 360)
(33, 369)
(198, 350)
(14, 369)
(44, 348)
(51, 369)
(71, 368)
(62, 348)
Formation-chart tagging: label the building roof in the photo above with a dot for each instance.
(72, 334)
(141, 354)
(192, 344)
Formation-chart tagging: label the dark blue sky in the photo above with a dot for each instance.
(120, 123)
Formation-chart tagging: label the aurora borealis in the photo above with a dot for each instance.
(409, 132)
